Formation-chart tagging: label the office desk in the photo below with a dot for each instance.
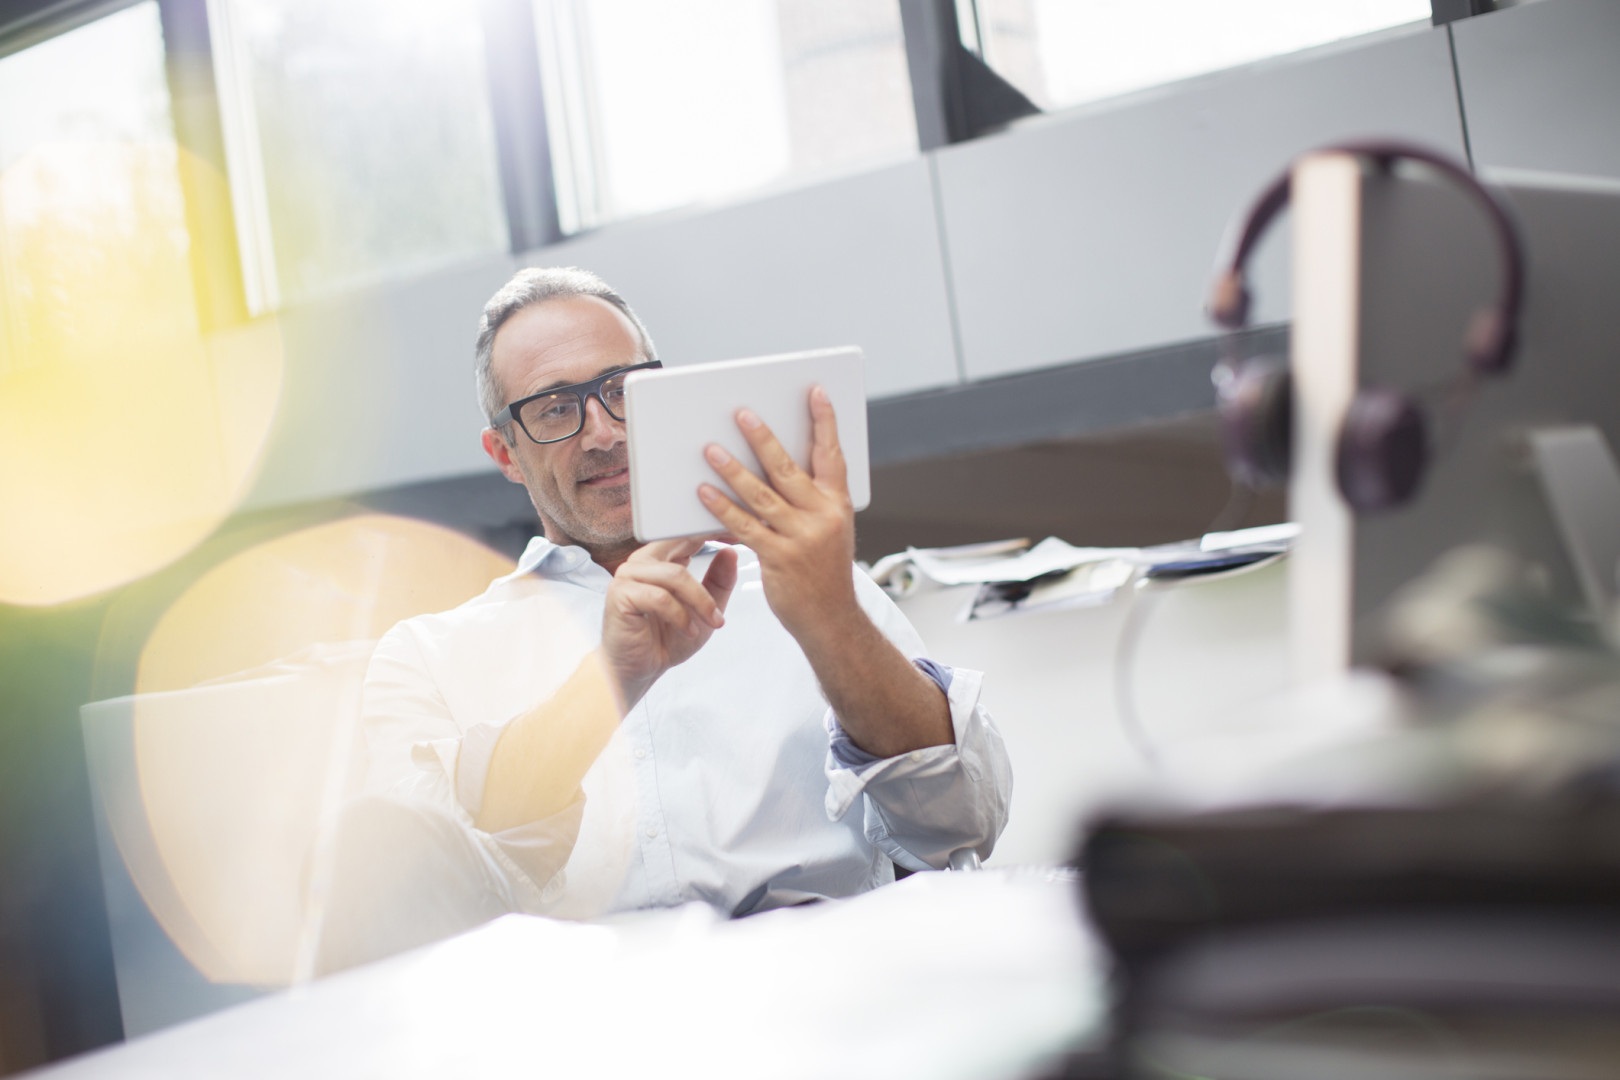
(1209, 650)
(943, 975)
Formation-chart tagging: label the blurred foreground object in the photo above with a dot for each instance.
(1453, 912)
(1433, 893)
(683, 992)
(1478, 940)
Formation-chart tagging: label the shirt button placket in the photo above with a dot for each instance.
(657, 857)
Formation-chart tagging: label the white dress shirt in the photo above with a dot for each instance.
(720, 785)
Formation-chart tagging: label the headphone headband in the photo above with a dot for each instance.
(1492, 332)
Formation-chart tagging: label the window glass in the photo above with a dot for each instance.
(87, 165)
(659, 103)
(360, 140)
(126, 435)
(1064, 52)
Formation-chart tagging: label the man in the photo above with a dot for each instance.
(617, 726)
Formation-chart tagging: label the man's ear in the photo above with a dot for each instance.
(500, 452)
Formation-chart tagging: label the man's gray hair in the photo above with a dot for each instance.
(536, 285)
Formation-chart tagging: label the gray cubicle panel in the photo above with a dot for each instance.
(1540, 83)
(1427, 262)
(850, 261)
(378, 386)
(1092, 233)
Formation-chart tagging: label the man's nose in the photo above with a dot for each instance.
(601, 431)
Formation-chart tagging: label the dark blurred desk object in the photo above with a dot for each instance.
(1479, 940)
(984, 974)
(1437, 899)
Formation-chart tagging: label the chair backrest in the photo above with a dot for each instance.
(210, 804)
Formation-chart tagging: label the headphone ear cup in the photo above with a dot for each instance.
(1383, 450)
(1255, 403)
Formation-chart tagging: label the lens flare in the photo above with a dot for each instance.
(219, 775)
(126, 433)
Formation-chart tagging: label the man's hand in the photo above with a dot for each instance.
(802, 525)
(803, 529)
(657, 614)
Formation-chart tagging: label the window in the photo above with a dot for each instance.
(125, 437)
(1065, 52)
(89, 186)
(360, 140)
(653, 104)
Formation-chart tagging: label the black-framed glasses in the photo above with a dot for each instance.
(559, 413)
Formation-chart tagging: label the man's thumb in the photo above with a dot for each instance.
(721, 577)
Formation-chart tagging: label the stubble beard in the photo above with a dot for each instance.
(595, 519)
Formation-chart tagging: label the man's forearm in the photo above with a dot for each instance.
(543, 755)
(883, 702)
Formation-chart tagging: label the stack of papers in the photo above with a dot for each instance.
(1013, 575)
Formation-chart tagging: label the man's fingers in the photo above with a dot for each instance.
(721, 577)
(761, 497)
(675, 579)
(679, 550)
(826, 455)
(652, 601)
(747, 528)
(781, 470)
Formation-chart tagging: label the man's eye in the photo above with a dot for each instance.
(555, 410)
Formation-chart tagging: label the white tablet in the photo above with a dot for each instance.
(673, 413)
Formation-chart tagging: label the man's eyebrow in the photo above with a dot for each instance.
(593, 378)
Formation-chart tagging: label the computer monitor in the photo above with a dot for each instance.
(1388, 269)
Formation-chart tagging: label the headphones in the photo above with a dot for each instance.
(1383, 444)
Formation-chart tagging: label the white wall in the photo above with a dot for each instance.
(378, 387)
(1542, 84)
(1094, 233)
(853, 262)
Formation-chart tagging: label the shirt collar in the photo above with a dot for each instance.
(550, 560)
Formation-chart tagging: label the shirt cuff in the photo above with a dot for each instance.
(844, 750)
(846, 783)
(537, 850)
(541, 849)
(465, 761)
(472, 765)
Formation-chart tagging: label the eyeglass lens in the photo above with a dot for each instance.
(557, 416)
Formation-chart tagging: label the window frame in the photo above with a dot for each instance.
(955, 96)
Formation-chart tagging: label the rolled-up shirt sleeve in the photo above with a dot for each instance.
(416, 751)
(922, 806)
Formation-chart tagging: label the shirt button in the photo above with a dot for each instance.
(641, 752)
(652, 833)
(916, 755)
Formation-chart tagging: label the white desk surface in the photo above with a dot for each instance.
(1211, 651)
(943, 975)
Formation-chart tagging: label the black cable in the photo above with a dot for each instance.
(1239, 499)
(1130, 634)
